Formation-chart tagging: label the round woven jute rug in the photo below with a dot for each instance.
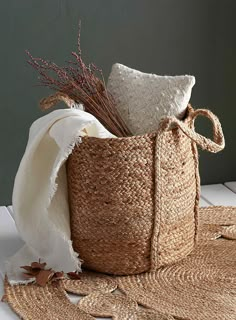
(200, 287)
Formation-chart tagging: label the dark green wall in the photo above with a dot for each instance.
(163, 37)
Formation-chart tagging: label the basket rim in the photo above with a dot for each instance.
(152, 134)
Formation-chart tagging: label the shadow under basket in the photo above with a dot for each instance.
(134, 200)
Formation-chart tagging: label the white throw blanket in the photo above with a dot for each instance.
(40, 200)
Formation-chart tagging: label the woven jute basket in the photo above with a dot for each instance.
(134, 200)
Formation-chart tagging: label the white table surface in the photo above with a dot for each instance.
(10, 241)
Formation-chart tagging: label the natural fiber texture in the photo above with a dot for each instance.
(128, 196)
(219, 215)
(119, 307)
(108, 236)
(200, 287)
(217, 222)
(90, 282)
(51, 101)
(205, 143)
(32, 302)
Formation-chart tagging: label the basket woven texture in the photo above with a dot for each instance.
(134, 200)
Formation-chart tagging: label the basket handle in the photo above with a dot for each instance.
(215, 145)
(50, 101)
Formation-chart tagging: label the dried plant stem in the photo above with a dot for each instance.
(83, 84)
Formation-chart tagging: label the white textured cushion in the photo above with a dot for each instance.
(142, 98)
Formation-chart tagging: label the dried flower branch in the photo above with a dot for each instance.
(43, 276)
(83, 84)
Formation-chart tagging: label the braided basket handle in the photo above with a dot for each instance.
(49, 102)
(215, 145)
